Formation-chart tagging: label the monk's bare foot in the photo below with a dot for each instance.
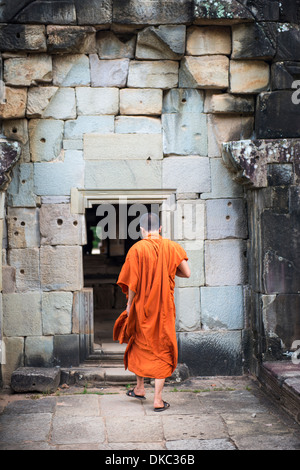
(139, 391)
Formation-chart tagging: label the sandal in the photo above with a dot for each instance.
(131, 393)
(163, 408)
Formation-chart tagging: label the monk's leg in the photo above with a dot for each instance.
(159, 385)
(139, 389)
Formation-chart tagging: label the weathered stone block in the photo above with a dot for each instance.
(8, 279)
(226, 218)
(26, 261)
(192, 137)
(288, 42)
(27, 38)
(57, 313)
(59, 227)
(39, 351)
(31, 379)
(225, 129)
(189, 220)
(103, 175)
(284, 74)
(48, 12)
(187, 302)
(45, 139)
(66, 350)
(195, 252)
(21, 71)
(14, 348)
(21, 190)
(208, 40)
(204, 72)
(270, 108)
(141, 102)
(22, 314)
(95, 101)
(57, 178)
(61, 268)
(62, 105)
(163, 42)
(183, 100)
(249, 76)
(17, 130)
(39, 99)
(23, 228)
(225, 262)
(186, 174)
(123, 146)
(15, 104)
(141, 12)
(137, 125)
(226, 103)
(71, 39)
(71, 70)
(111, 46)
(222, 308)
(227, 11)
(94, 12)
(251, 41)
(75, 129)
(154, 74)
(108, 73)
(10, 154)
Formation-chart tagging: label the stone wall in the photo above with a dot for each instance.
(114, 95)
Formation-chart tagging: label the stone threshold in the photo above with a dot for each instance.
(281, 379)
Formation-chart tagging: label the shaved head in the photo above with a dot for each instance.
(150, 222)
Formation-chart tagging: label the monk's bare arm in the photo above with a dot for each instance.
(131, 295)
(183, 269)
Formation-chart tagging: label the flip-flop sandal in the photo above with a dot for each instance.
(131, 393)
(163, 408)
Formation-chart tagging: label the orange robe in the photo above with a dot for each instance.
(149, 270)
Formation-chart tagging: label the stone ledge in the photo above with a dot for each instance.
(282, 380)
(35, 379)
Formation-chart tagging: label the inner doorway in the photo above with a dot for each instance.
(112, 229)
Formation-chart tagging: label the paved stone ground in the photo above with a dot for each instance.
(205, 414)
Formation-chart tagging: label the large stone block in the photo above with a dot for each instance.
(223, 128)
(39, 99)
(141, 102)
(189, 220)
(47, 12)
(66, 350)
(45, 139)
(207, 40)
(226, 103)
(34, 379)
(71, 39)
(225, 11)
(225, 262)
(153, 74)
(21, 190)
(187, 302)
(251, 41)
(59, 227)
(137, 125)
(94, 12)
(131, 173)
(61, 268)
(155, 12)
(39, 352)
(185, 134)
(288, 42)
(108, 73)
(183, 100)
(27, 71)
(23, 228)
(71, 70)
(111, 46)
(15, 104)
(22, 314)
(226, 218)
(95, 101)
(75, 129)
(284, 74)
(14, 348)
(57, 178)
(195, 252)
(123, 146)
(26, 261)
(57, 313)
(204, 72)
(27, 38)
(222, 308)
(62, 105)
(163, 42)
(249, 76)
(8, 279)
(186, 174)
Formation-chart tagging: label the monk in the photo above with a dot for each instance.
(148, 279)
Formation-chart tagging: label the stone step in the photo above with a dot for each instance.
(97, 376)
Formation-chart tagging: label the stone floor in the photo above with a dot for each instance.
(205, 414)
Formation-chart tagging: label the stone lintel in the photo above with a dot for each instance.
(250, 159)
